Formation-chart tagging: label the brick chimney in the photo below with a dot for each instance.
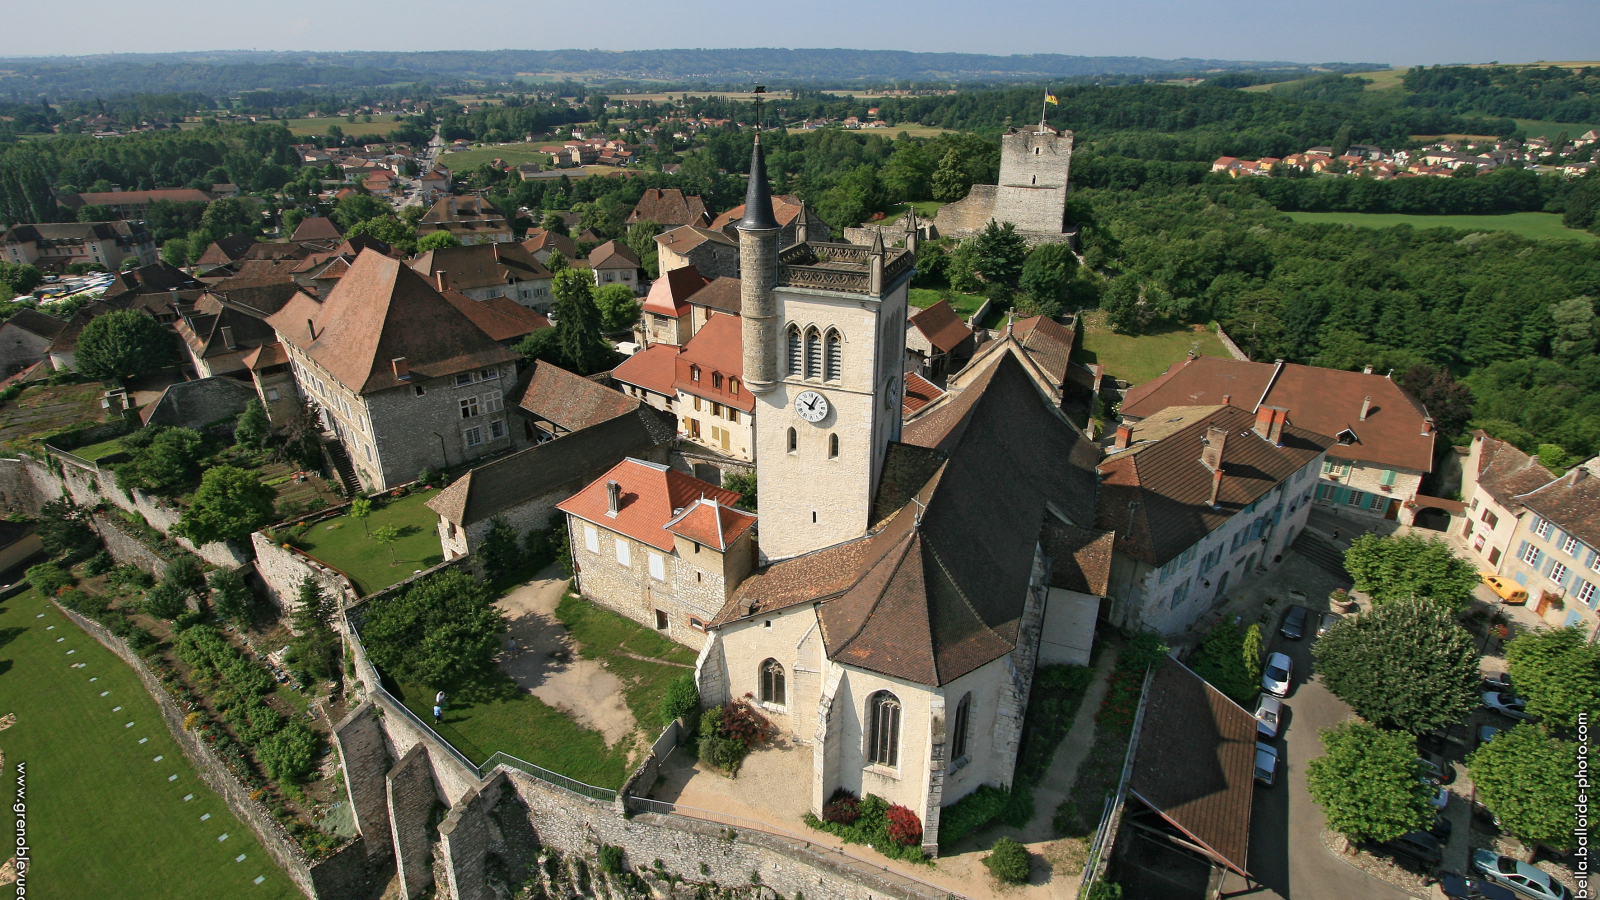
(1216, 487)
(1270, 421)
(1227, 399)
(1427, 425)
(1367, 370)
(496, 246)
(1124, 435)
(613, 498)
(402, 369)
(1211, 453)
(1366, 405)
(442, 279)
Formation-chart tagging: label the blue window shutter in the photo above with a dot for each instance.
(1520, 577)
(1521, 549)
(1548, 563)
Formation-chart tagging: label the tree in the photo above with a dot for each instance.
(358, 208)
(124, 343)
(64, 527)
(1367, 783)
(555, 262)
(386, 228)
(1575, 329)
(184, 572)
(554, 222)
(577, 331)
(950, 178)
(1558, 671)
(387, 535)
(19, 278)
(743, 483)
(1529, 780)
(361, 508)
(1406, 665)
(619, 310)
(229, 504)
(175, 252)
(253, 425)
(1046, 273)
(499, 551)
(1448, 401)
(442, 632)
(291, 219)
(641, 237)
(165, 601)
(1126, 311)
(1001, 253)
(1222, 661)
(438, 240)
(962, 268)
(231, 597)
(162, 458)
(229, 215)
(1390, 568)
(315, 648)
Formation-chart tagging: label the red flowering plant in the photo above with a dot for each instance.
(905, 828)
(843, 807)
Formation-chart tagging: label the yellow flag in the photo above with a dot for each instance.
(1050, 99)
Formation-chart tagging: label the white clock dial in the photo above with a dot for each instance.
(811, 406)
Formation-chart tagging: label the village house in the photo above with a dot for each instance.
(665, 316)
(615, 263)
(797, 221)
(472, 219)
(670, 208)
(228, 322)
(1201, 499)
(273, 377)
(1384, 436)
(389, 364)
(558, 402)
(711, 252)
(486, 271)
(1557, 552)
(542, 243)
(51, 247)
(1493, 475)
(25, 339)
(937, 342)
(316, 228)
(714, 409)
(134, 205)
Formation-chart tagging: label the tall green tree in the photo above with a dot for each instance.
(1001, 253)
(442, 632)
(619, 309)
(438, 240)
(1558, 672)
(1529, 780)
(314, 651)
(1046, 273)
(499, 550)
(1222, 661)
(1405, 665)
(1391, 568)
(124, 343)
(231, 597)
(1367, 783)
(950, 181)
(359, 208)
(229, 504)
(253, 426)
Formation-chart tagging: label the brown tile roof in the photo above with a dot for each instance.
(263, 250)
(810, 578)
(317, 228)
(711, 523)
(1195, 763)
(571, 401)
(67, 337)
(124, 198)
(479, 265)
(266, 355)
(652, 368)
(379, 311)
(670, 294)
(152, 279)
(688, 237)
(1047, 343)
(509, 307)
(1327, 401)
(717, 348)
(256, 272)
(36, 323)
(722, 295)
(652, 496)
(495, 323)
(1572, 502)
(613, 255)
(539, 240)
(1170, 488)
(919, 393)
(668, 206)
(1504, 471)
(785, 207)
(227, 250)
(941, 326)
(462, 209)
(1081, 557)
(569, 461)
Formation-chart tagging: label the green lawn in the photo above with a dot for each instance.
(964, 304)
(926, 209)
(103, 818)
(1541, 128)
(1139, 358)
(513, 154)
(343, 543)
(92, 452)
(1528, 224)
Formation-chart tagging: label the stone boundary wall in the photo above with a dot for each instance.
(282, 568)
(1230, 346)
(127, 549)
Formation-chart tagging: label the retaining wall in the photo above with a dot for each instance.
(1229, 345)
(127, 549)
(282, 568)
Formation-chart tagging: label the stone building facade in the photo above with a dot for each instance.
(1494, 474)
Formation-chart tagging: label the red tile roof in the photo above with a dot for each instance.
(495, 323)
(669, 207)
(711, 523)
(784, 208)
(652, 368)
(1572, 502)
(539, 240)
(652, 496)
(941, 325)
(612, 255)
(266, 355)
(571, 401)
(1326, 401)
(717, 349)
(316, 228)
(670, 294)
(919, 393)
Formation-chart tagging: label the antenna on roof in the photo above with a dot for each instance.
(760, 91)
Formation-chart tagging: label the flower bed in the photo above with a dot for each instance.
(888, 828)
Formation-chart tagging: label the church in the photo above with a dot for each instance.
(906, 576)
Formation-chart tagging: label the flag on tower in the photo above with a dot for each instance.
(1050, 99)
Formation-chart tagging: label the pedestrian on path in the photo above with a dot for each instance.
(438, 699)
(1336, 534)
(438, 714)
(511, 645)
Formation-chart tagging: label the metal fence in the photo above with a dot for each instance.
(910, 883)
(543, 774)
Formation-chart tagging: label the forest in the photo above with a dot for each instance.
(1523, 92)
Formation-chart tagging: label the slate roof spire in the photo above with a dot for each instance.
(758, 196)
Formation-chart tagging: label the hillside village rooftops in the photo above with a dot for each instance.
(540, 241)
(711, 523)
(36, 323)
(479, 266)
(687, 237)
(651, 497)
(127, 198)
(74, 232)
(571, 401)
(669, 207)
(379, 312)
(501, 322)
(721, 295)
(653, 368)
(613, 255)
(669, 295)
(785, 208)
(941, 325)
(1572, 502)
(317, 228)
(1505, 472)
(919, 393)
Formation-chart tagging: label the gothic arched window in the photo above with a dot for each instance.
(833, 362)
(772, 684)
(813, 353)
(958, 728)
(794, 350)
(883, 729)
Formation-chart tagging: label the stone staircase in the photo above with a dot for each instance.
(346, 470)
(1322, 552)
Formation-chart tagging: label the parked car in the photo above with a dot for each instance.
(1441, 828)
(1266, 763)
(1435, 767)
(1509, 592)
(1498, 681)
(1269, 712)
(1275, 678)
(1458, 887)
(1418, 846)
(1294, 624)
(1486, 734)
(1327, 620)
(1441, 795)
(1508, 705)
(1520, 878)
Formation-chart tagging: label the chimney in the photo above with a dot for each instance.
(1124, 435)
(1216, 487)
(442, 279)
(227, 338)
(1211, 454)
(1367, 370)
(496, 246)
(1427, 425)
(402, 369)
(613, 498)
(1270, 421)
(1366, 404)
(1227, 399)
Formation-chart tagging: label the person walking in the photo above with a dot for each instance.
(438, 699)
(1336, 534)
(438, 714)
(511, 645)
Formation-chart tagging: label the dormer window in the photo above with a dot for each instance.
(694, 373)
(716, 380)
(1346, 437)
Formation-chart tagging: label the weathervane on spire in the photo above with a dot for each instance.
(759, 91)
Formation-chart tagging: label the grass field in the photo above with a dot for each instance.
(964, 304)
(379, 125)
(342, 542)
(513, 154)
(1528, 224)
(926, 209)
(104, 820)
(1540, 128)
(911, 129)
(1139, 358)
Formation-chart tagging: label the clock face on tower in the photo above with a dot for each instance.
(811, 406)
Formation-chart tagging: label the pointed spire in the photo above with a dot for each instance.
(758, 196)
(877, 242)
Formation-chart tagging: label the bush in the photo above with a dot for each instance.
(166, 601)
(871, 826)
(49, 578)
(682, 699)
(843, 808)
(905, 828)
(611, 859)
(289, 755)
(1008, 861)
(99, 564)
(971, 813)
(184, 572)
(1105, 890)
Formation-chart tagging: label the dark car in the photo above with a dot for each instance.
(1457, 887)
(1499, 682)
(1441, 829)
(1417, 846)
(1435, 767)
(1327, 620)
(1294, 624)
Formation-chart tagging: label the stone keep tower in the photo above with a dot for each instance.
(1034, 164)
(824, 333)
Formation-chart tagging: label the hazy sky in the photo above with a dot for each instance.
(1399, 31)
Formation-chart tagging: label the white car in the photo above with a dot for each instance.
(1275, 678)
(1519, 877)
(1269, 712)
(1266, 763)
(1508, 705)
(1441, 795)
